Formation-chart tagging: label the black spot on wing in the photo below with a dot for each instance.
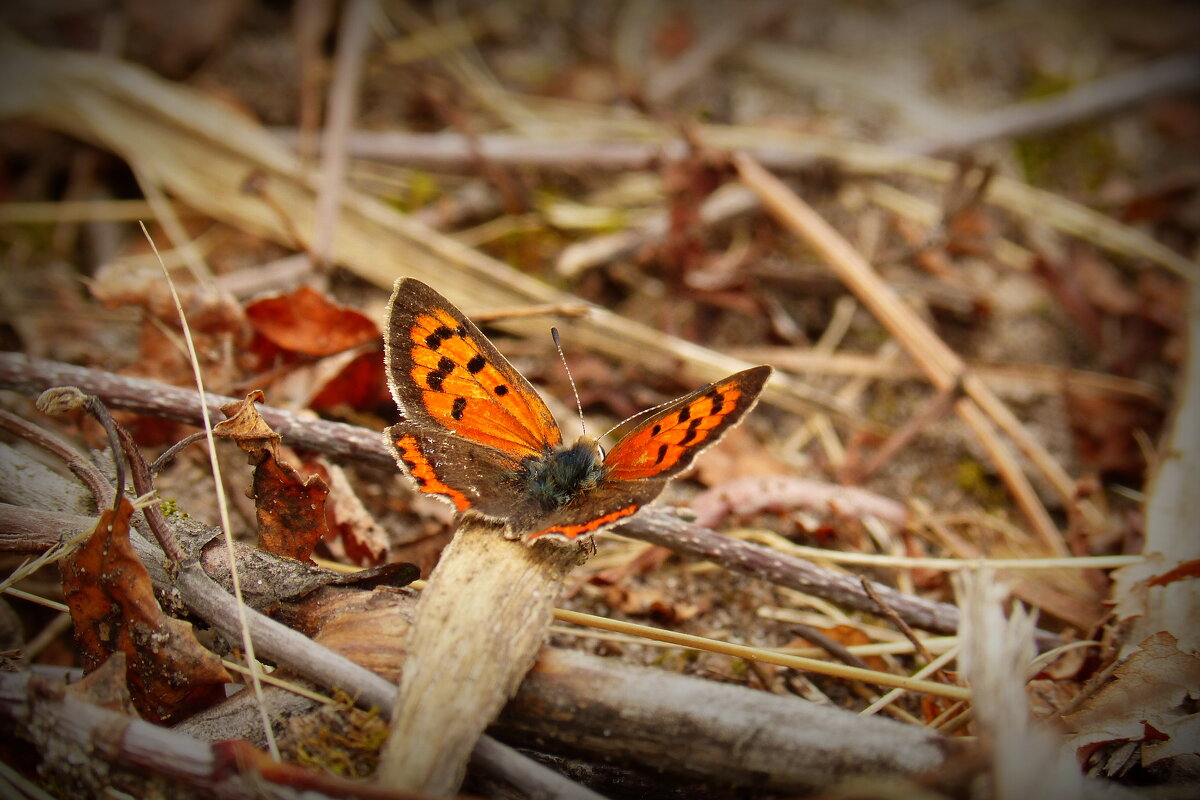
(501, 390)
(691, 432)
(718, 401)
(684, 414)
(476, 364)
(662, 453)
(434, 379)
(460, 405)
(439, 334)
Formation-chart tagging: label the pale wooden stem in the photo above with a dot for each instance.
(477, 630)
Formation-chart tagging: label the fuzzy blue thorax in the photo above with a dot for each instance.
(556, 478)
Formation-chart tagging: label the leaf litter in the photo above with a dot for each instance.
(740, 285)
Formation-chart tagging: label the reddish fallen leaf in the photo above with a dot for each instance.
(347, 520)
(112, 604)
(1106, 430)
(306, 322)
(359, 386)
(676, 34)
(304, 325)
(290, 508)
(1188, 569)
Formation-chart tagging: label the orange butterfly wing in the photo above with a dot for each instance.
(476, 434)
(668, 442)
(444, 372)
(638, 468)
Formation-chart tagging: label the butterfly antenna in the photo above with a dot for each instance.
(641, 413)
(561, 355)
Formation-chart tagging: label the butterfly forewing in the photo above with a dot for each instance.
(668, 442)
(444, 372)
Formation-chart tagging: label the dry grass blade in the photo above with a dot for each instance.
(767, 656)
(223, 508)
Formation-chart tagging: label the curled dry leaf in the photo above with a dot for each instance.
(112, 605)
(290, 509)
(1150, 700)
(246, 427)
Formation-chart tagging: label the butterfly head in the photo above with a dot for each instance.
(555, 479)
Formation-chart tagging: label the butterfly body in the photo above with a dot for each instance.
(476, 434)
(553, 480)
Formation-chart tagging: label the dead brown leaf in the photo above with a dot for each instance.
(1106, 430)
(112, 605)
(106, 686)
(290, 508)
(245, 426)
(1148, 701)
(308, 323)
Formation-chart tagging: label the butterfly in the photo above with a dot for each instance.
(476, 434)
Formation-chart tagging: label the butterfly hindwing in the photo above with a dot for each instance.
(467, 475)
(669, 441)
(610, 503)
(443, 371)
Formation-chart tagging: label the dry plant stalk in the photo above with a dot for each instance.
(943, 368)
(1026, 760)
(477, 630)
